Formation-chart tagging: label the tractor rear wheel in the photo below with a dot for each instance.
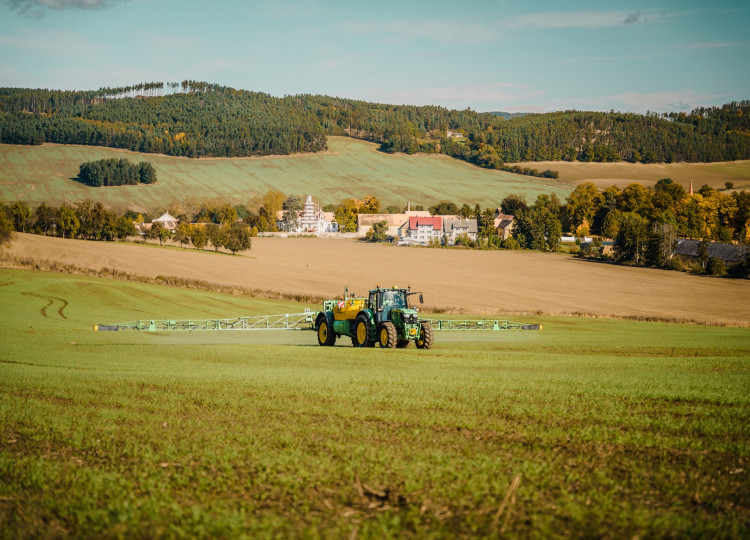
(361, 337)
(387, 335)
(403, 343)
(424, 341)
(326, 336)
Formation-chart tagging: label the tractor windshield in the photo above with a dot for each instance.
(394, 299)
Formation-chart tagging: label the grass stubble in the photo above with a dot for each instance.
(588, 428)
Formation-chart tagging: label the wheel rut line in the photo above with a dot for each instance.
(50, 300)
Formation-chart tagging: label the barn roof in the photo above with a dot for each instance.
(450, 224)
(393, 220)
(725, 252)
(435, 222)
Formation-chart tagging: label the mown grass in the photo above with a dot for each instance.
(612, 428)
(352, 168)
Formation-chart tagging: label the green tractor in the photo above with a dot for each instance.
(384, 317)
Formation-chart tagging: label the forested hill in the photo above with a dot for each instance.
(199, 119)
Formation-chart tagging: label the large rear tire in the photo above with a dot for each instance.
(387, 335)
(426, 337)
(362, 331)
(326, 335)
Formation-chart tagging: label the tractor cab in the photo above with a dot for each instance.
(387, 304)
(382, 301)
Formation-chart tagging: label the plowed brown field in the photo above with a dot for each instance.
(475, 282)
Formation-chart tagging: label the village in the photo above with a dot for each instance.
(412, 227)
(421, 228)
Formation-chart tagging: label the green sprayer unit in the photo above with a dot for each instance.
(384, 317)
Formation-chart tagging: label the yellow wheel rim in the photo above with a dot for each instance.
(323, 332)
(361, 333)
(384, 337)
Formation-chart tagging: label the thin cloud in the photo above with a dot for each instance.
(37, 8)
(711, 44)
(446, 32)
(622, 58)
(575, 19)
(490, 30)
(425, 54)
(46, 42)
(665, 101)
(678, 100)
(214, 65)
(634, 18)
(487, 96)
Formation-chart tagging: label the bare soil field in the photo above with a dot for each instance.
(621, 174)
(496, 283)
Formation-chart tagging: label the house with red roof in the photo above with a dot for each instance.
(422, 230)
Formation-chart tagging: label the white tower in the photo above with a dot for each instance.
(309, 218)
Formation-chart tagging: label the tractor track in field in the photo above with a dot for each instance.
(50, 301)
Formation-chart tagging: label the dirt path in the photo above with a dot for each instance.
(478, 282)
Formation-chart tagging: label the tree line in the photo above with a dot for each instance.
(116, 172)
(201, 119)
(644, 223)
(87, 220)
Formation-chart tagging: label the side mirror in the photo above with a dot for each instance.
(421, 300)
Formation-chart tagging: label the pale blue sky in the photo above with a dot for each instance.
(487, 55)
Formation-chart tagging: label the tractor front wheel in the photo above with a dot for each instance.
(361, 337)
(326, 336)
(387, 335)
(424, 341)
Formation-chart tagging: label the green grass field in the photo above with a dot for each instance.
(609, 428)
(351, 168)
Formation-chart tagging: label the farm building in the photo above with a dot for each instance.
(503, 224)
(311, 219)
(394, 221)
(729, 254)
(168, 221)
(422, 230)
(453, 228)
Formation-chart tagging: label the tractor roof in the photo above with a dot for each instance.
(394, 288)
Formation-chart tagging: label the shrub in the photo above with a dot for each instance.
(715, 266)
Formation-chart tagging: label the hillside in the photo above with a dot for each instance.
(202, 119)
(499, 283)
(622, 173)
(350, 168)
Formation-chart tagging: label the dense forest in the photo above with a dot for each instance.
(198, 119)
(116, 172)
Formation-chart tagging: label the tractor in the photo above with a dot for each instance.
(384, 317)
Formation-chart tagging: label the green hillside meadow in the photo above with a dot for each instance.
(588, 428)
(351, 168)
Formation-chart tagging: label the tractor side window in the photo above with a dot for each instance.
(373, 303)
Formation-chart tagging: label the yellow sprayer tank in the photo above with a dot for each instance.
(348, 309)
